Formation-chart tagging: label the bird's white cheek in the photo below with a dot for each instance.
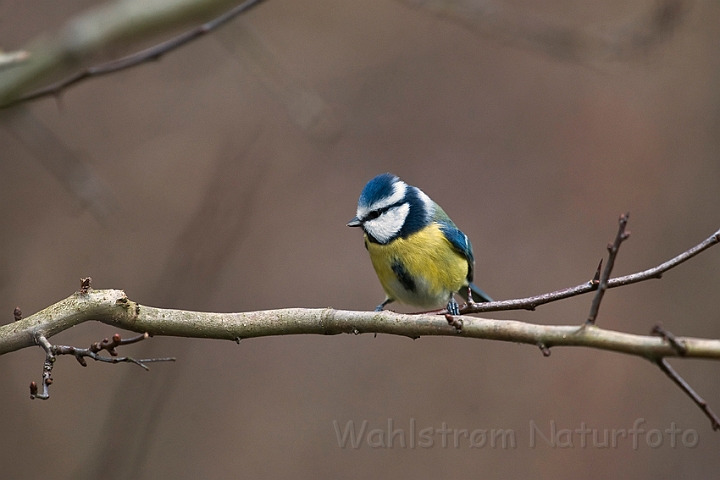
(387, 225)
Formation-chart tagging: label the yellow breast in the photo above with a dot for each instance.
(433, 268)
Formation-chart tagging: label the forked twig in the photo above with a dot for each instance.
(53, 351)
(530, 303)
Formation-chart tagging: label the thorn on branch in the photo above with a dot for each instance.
(85, 285)
(675, 377)
(52, 351)
(17, 313)
(676, 344)
(613, 248)
(596, 278)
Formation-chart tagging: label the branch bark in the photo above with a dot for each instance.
(114, 308)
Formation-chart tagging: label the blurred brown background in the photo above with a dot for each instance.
(221, 179)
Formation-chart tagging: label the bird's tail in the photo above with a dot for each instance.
(478, 295)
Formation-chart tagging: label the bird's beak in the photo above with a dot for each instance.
(355, 222)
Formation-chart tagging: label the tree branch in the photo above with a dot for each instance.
(114, 23)
(143, 56)
(114, 308)
(53, 351)
(530, 303)
(685, 387)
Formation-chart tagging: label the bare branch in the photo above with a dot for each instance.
(681, 349)
(147, 55)
(530, 303)
(114, 308)
(675, 377)
(108, 24)
(53, 351)
(613, 248)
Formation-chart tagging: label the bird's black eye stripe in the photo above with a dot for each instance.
(376, 213)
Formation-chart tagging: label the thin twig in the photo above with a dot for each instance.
(613, 249)
(681, 349)
(53, 351)
(529, 303)
(675, 377)
(138, 58)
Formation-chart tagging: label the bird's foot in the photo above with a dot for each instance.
(453, 311)
(381, 307)
(452, 307)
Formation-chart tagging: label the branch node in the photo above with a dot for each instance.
(454, 321)
(677, 345)
(85, 285)
(17, 314)
(544, 349)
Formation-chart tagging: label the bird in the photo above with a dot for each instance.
(419, 255)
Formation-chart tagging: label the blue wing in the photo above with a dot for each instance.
(461, 244)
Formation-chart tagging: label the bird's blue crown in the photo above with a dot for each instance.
(377, 189)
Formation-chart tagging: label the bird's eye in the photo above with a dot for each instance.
(372, 215)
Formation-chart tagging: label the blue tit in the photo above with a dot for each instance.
(421, 258)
